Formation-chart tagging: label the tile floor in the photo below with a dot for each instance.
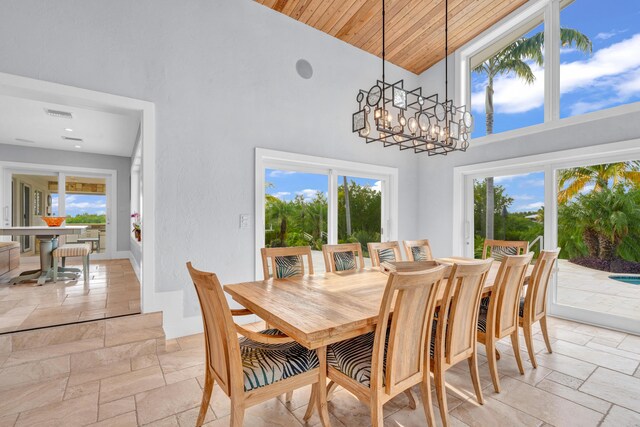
(593, 290)
(113, 290)
(591, 379)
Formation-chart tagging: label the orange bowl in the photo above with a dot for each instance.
(53, 221)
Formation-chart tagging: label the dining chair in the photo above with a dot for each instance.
(498, 249)
(255, 368)
(342, 257)
(286, 262)
(418, 250)
(377, 366)
(384, 251)
(500, 318)
(533, 306)
(454, 328)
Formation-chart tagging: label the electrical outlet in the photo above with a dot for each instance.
(244, 221)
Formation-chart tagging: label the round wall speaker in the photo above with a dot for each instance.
(304, 69)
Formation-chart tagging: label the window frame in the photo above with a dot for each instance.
(333, 168)
(550, 10)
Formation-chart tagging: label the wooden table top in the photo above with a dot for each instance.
(324, 308)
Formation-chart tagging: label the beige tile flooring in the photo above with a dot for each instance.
(113, 290)
(591, 379)
(593, 290)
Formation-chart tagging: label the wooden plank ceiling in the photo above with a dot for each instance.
(415, 28)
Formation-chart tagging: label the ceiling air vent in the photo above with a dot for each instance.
(70, 138)
(59, 114)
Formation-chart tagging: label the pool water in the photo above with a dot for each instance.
(633, 280)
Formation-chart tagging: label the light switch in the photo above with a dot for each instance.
(244, 221)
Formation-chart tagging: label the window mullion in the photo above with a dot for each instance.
(552, 61)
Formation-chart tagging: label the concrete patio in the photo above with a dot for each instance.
(593, 290)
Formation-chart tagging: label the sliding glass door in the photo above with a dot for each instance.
(311, 201)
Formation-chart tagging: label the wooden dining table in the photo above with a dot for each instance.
(321, 309)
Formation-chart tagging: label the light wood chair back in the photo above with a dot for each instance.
(273, 254)
(221, 340)
(498, 249)
(505, 296)
(535, 301)
(411, 296)
(418, 250)
(457, 322)
(387, 249)
(331, 252)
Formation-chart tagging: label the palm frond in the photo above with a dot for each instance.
(571, 37)
(577, 185)
(519, 68)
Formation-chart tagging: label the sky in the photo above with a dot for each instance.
(526, 190)
(81, 203)
(607, 77)
(285, 185)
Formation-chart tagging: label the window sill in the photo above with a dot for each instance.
(555, 124)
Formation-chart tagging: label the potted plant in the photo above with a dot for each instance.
(137, 231)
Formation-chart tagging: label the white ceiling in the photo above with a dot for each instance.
(103, 132)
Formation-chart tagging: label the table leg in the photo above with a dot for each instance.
(321, 396)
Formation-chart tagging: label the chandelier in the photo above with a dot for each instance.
(396, 116)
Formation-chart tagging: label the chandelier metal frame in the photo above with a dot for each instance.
(408, 120)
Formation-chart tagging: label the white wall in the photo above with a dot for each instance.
(436, 173)
(222, 76)
(16, 153)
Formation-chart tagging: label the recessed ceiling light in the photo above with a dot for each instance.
(58, 113)
(78, 146)
(68, 129)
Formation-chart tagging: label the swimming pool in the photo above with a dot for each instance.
(632, 280)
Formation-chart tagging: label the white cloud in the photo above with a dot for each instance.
(308, 194)
(587, 189)
(606, 35)
(523, 197)
(279, 173)
(614, 69)
(281, 194)
(530, 206)
(534, 183)
(509, 178)
(377, 186)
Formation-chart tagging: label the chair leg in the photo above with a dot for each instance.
(377, 415)
(516, 350)
(85, 268)
(497, 353)
(528, 339)
(237, 413)
(206, 398)
(545, 332)
(55, 268)
(331, 389)
(312, 402)
(493, 364)
(412, 400)
(64, 261)
(441, 394)
(321, 398)
(475, 376)
(288, 396)
(427, 399)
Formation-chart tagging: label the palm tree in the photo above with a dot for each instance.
(578, 179)
(513, 59)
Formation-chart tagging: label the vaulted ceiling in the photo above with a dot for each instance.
(414, 28)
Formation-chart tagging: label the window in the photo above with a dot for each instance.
(559, 59)
(609, 75)
(301, 201)
(507, 83)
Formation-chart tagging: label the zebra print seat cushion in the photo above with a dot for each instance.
(386, 255)
(499, 252)
(353, 357)
(264, 364)
(419, 253)
(288, 266)
(482, 319)
(344, 261)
